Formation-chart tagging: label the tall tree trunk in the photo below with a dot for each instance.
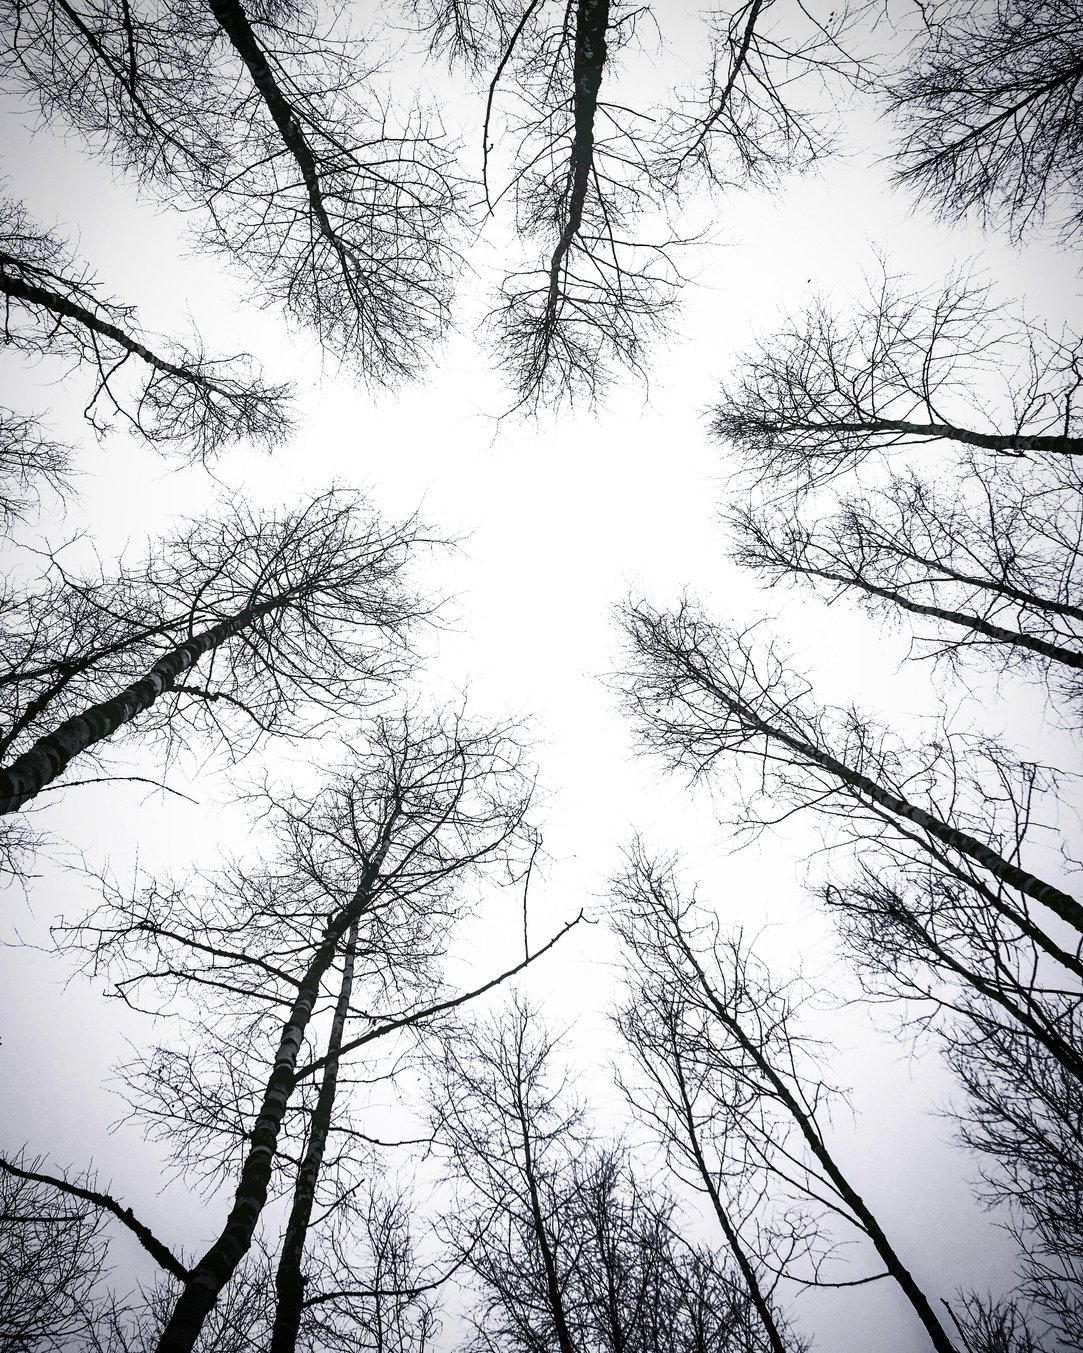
(29, 773)
(1063, 904)
(591, 22)
(217, 1266)
(289, 1280)
(748, 1273)
(549, 1263)
(809, 1131)
(1055, 652)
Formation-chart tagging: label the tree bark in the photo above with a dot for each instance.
(29, 773)
(217, 1266)
(289, 1280)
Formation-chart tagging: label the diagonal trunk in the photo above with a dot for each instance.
(236, 26)
(811, 1134)
(1063, 904)
(1055, 652)
(748, 1273)
(53, 753)
(289, 1280)
(17, 287)
(217, 1266)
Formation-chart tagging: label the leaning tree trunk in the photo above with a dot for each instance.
(218, 1265)
(289, 1280)
(748, 1273)
(62, 306)
(1061, 903)
(29, 773)
(998, 633)
(860, 1210)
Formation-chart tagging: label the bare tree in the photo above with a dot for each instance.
(744, 123)
(580, 181)
(52, 1256)
(707, 1023)
(29, 461)
(186, 400)
(1022, 1113)
(383, 1301)
(903, 368)
(274, 129)
(702, 693)
(508, 1127)
(387, 846)
(989, 109)
(568, 1247)
(240, 627)
(991, 561)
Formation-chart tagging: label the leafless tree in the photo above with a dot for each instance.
(580, 181)
(989, 108)
(569, 1248)
(703, 693)
(52, 1256)
(30, 461)
(186, 400)
(744, 122)
(508, 1127)
(987, 1326)
(991, 560)
(902, 368)
(383, 1301)
(274, 129)
(242, 626)
(1022, 1113)
(387, 846)
(940, 914)
(729, 1082)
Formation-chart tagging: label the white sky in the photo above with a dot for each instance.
(560, 519)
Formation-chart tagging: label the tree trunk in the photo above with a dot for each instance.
(853, 1200)
(1063, 904)
(591, 22)
(22, 290)
(289, 1280)
(1055, 652)
(748, 1274)
(29, 773)
(217, 1266)
(1008, 443)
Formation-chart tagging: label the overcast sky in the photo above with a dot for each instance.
(558, 520)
